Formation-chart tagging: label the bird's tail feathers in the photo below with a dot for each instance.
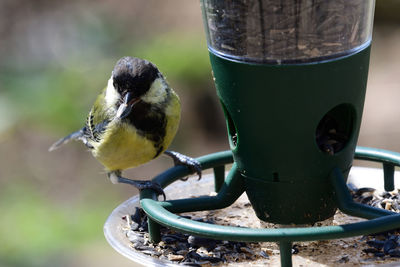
(75, 136)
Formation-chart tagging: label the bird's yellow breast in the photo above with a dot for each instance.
(122, 147)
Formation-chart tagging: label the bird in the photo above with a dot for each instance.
(133, 121)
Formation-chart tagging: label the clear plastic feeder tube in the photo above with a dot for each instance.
(287, 31)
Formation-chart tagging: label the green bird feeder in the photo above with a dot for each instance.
(291, 78)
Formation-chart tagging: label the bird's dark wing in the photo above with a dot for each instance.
(95, 125)
(78, 135)
(97, 119)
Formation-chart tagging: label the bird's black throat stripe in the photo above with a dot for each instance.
(150, 121)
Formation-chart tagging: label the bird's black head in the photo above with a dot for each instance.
(134, 76)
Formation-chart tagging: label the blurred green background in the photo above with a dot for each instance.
(55, 56)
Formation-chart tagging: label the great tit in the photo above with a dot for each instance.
(133, 121)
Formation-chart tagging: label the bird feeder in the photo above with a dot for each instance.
(291, 78)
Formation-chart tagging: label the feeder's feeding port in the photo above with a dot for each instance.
(291, 78)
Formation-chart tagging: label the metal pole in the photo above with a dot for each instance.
(286, 253)
(219, 177)
(388, 176)
(154, 231)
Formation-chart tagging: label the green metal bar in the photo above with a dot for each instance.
(345, 201)
(286, 253)
(388, 176)
(231, 190)
(207, 161)
(219, 176)
(378, 155)
(178, 223)
(154, 231)
(172, 174)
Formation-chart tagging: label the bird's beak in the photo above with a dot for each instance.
(126, 107)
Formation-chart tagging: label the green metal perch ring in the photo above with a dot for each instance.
(231, 187)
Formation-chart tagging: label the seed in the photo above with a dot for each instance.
(295, 249)
(378, 244)
(394, 252)
(151, 252)
(173, 257)
(363, 190)
(197, 241)
(367, 199)
(247, 250)
(388, 206)
(370, 250)
(134, 237)
(379, 254)
(386, 195)
(389, 245)
(264, 254)
(344, 259)
(168, 239)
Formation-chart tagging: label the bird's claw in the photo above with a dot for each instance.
(194, 165)
(116, 177)
(180, 159)
(151, 185)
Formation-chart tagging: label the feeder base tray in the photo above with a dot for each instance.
(336, 252)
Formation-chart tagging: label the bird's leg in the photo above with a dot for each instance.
(180, 159)
(115, 177)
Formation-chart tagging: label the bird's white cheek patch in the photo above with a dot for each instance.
(157, 92)
(112, 95)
